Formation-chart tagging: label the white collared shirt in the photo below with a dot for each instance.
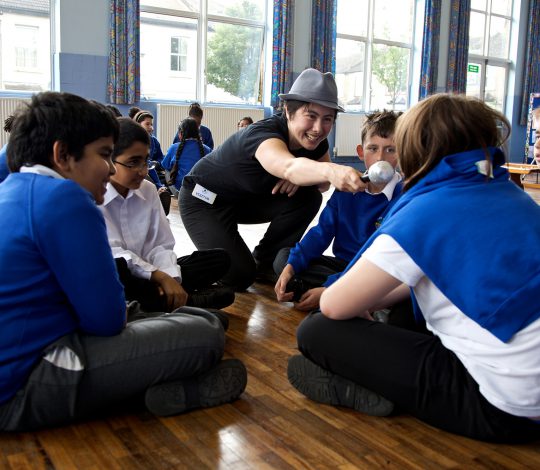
(139, 231)
(388, 190)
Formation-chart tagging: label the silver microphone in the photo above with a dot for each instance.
(379, 173)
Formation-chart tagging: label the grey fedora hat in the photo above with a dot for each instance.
(313, 86)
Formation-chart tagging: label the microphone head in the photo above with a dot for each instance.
(381, 172)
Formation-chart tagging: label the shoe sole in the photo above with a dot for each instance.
(222, 384)
(323, 386)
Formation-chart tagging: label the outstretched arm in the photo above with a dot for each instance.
(276, 159)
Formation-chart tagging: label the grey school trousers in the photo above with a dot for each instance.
(81, 376)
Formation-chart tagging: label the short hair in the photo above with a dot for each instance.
(195, 111)
(50, 117)
(294, 105)
(114, 110)
(130, 132)
(379, 123)
(445, 124)
(246, 118)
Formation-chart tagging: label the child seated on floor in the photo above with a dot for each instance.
(66, 351)
(182, 155)
(451, 239)
(142, 241)
(348, 220)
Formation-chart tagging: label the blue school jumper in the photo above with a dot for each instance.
(57, 273)
(190, 155)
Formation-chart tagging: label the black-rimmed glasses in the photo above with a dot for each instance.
(145, 166)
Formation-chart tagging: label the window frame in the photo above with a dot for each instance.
(203, 19)
(485, 60)
(369, 41)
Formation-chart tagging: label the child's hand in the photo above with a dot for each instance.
(174, 293)
(281, 284)
(310, 300)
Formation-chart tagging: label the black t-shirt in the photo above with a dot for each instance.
(232, 171)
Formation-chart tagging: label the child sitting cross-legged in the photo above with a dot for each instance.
(142, 241)
(451, 240)
(348, 220)
(66, 350)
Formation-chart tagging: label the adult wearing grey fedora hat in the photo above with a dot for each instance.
(272, 171)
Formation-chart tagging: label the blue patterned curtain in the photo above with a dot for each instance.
(123, 77)
(282, 47)
(532, 59)
(323, 35)
(458, 48)
(430, 48)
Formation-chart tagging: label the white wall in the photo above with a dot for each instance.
(84, 26)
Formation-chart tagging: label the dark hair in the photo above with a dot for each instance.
(130, 132)
(132, 111)
(8, 123)
(195, 111)
(246, 118)
(50, 117)
(188, 129)
(142, 115)
(294, 105)
(380, 123)
(445, 124)
(114, 110)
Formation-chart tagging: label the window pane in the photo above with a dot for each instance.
(501, 7)
(246, 9)
(474, 79)
(476, 33)
(350, 62)
(352, 17)
(158, 76)
(495, 86)
(389, 79)
(499, 37)
(174, 45)
(185, 5)
(25, 53)
(393, 20)
(233, 67)
(478, 5)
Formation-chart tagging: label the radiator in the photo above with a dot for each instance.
(348, 134)
(7, 108)
(221, 121)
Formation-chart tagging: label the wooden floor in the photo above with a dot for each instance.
(271, 427)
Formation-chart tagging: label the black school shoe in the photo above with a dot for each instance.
(222, 384)
(323, 386)
(211, 297)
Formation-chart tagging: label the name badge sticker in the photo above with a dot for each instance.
(200, 192)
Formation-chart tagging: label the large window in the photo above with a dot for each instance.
(489, 46)
(25, 45)
(374, 53)
(204, 50)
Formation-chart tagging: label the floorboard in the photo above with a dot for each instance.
(271, 427)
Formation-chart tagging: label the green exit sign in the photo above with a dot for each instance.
(473, 68)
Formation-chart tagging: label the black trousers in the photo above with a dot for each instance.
(200, 269)
(318, 270)
(216, 226)
(413, 370)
